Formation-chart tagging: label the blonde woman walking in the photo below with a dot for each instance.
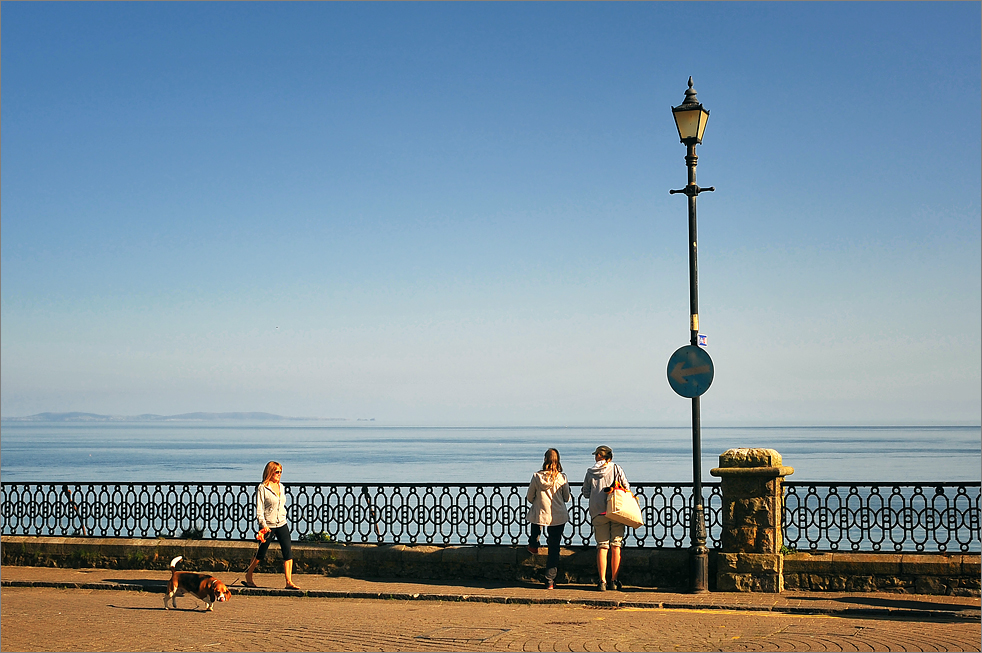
(548, 493)
(271, 514)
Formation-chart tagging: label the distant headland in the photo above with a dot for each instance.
(185, 417)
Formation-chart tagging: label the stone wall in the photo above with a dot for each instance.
(661, 568)
(906, 573)
(750, 572)
(664, 569)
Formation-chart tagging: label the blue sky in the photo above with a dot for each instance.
(459, 213)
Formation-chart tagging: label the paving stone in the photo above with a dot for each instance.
(54, 619)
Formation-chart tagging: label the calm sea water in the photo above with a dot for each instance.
(315, 452)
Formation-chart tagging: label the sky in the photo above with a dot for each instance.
(459, 213)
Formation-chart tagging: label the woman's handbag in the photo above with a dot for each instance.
(622, 507)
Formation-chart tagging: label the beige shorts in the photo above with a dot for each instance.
(607, 532)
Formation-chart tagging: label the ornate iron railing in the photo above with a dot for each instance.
(407, 513)
(882, 516)
(817, 516)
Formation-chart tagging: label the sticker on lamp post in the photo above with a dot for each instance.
(690, 371)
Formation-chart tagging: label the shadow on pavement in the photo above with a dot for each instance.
(455, 583)
(900, 604)
(197, 610)
(147, 582)
(157, 609)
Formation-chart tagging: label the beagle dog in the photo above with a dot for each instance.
(207, 588)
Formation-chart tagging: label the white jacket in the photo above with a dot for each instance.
(598, 479)
(270, 509)
(548, 495)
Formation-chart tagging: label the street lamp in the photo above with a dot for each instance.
(690, 370)
(690, 118)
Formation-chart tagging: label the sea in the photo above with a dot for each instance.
(356, 452)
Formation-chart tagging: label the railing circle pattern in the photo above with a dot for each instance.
(882, 516)
(817, 516)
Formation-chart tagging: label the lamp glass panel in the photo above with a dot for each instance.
(704, 118)
(688, 124)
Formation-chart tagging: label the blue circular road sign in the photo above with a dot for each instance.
(690, 371)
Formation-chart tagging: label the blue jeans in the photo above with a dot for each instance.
(554, 537)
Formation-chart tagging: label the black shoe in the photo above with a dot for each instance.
(617, 585)
(602, 586)
(550, 584)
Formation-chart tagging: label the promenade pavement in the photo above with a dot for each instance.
(100, 609)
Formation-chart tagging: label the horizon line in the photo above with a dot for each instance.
(260, 416)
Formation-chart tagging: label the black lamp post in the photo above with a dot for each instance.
(691, 118)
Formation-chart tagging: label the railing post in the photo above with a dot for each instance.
(752, 486)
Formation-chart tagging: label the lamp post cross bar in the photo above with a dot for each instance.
(692, 191)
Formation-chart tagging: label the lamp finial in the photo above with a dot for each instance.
(690, 94)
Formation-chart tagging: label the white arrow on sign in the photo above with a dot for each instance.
(678, 374)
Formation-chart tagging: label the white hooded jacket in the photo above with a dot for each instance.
(598, 479)
(548, 495)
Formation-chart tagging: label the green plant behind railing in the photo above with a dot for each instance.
(323, 536)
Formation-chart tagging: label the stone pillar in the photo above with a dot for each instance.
(753, 498)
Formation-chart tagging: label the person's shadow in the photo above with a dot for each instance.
(152, 609)
(141, 582)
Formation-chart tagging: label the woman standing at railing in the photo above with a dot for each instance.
(271, 514)
(609, 534)
(548, 493)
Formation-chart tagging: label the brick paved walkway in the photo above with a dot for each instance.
(64, 611)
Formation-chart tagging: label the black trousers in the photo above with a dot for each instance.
(282, 534)
(554, 537)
